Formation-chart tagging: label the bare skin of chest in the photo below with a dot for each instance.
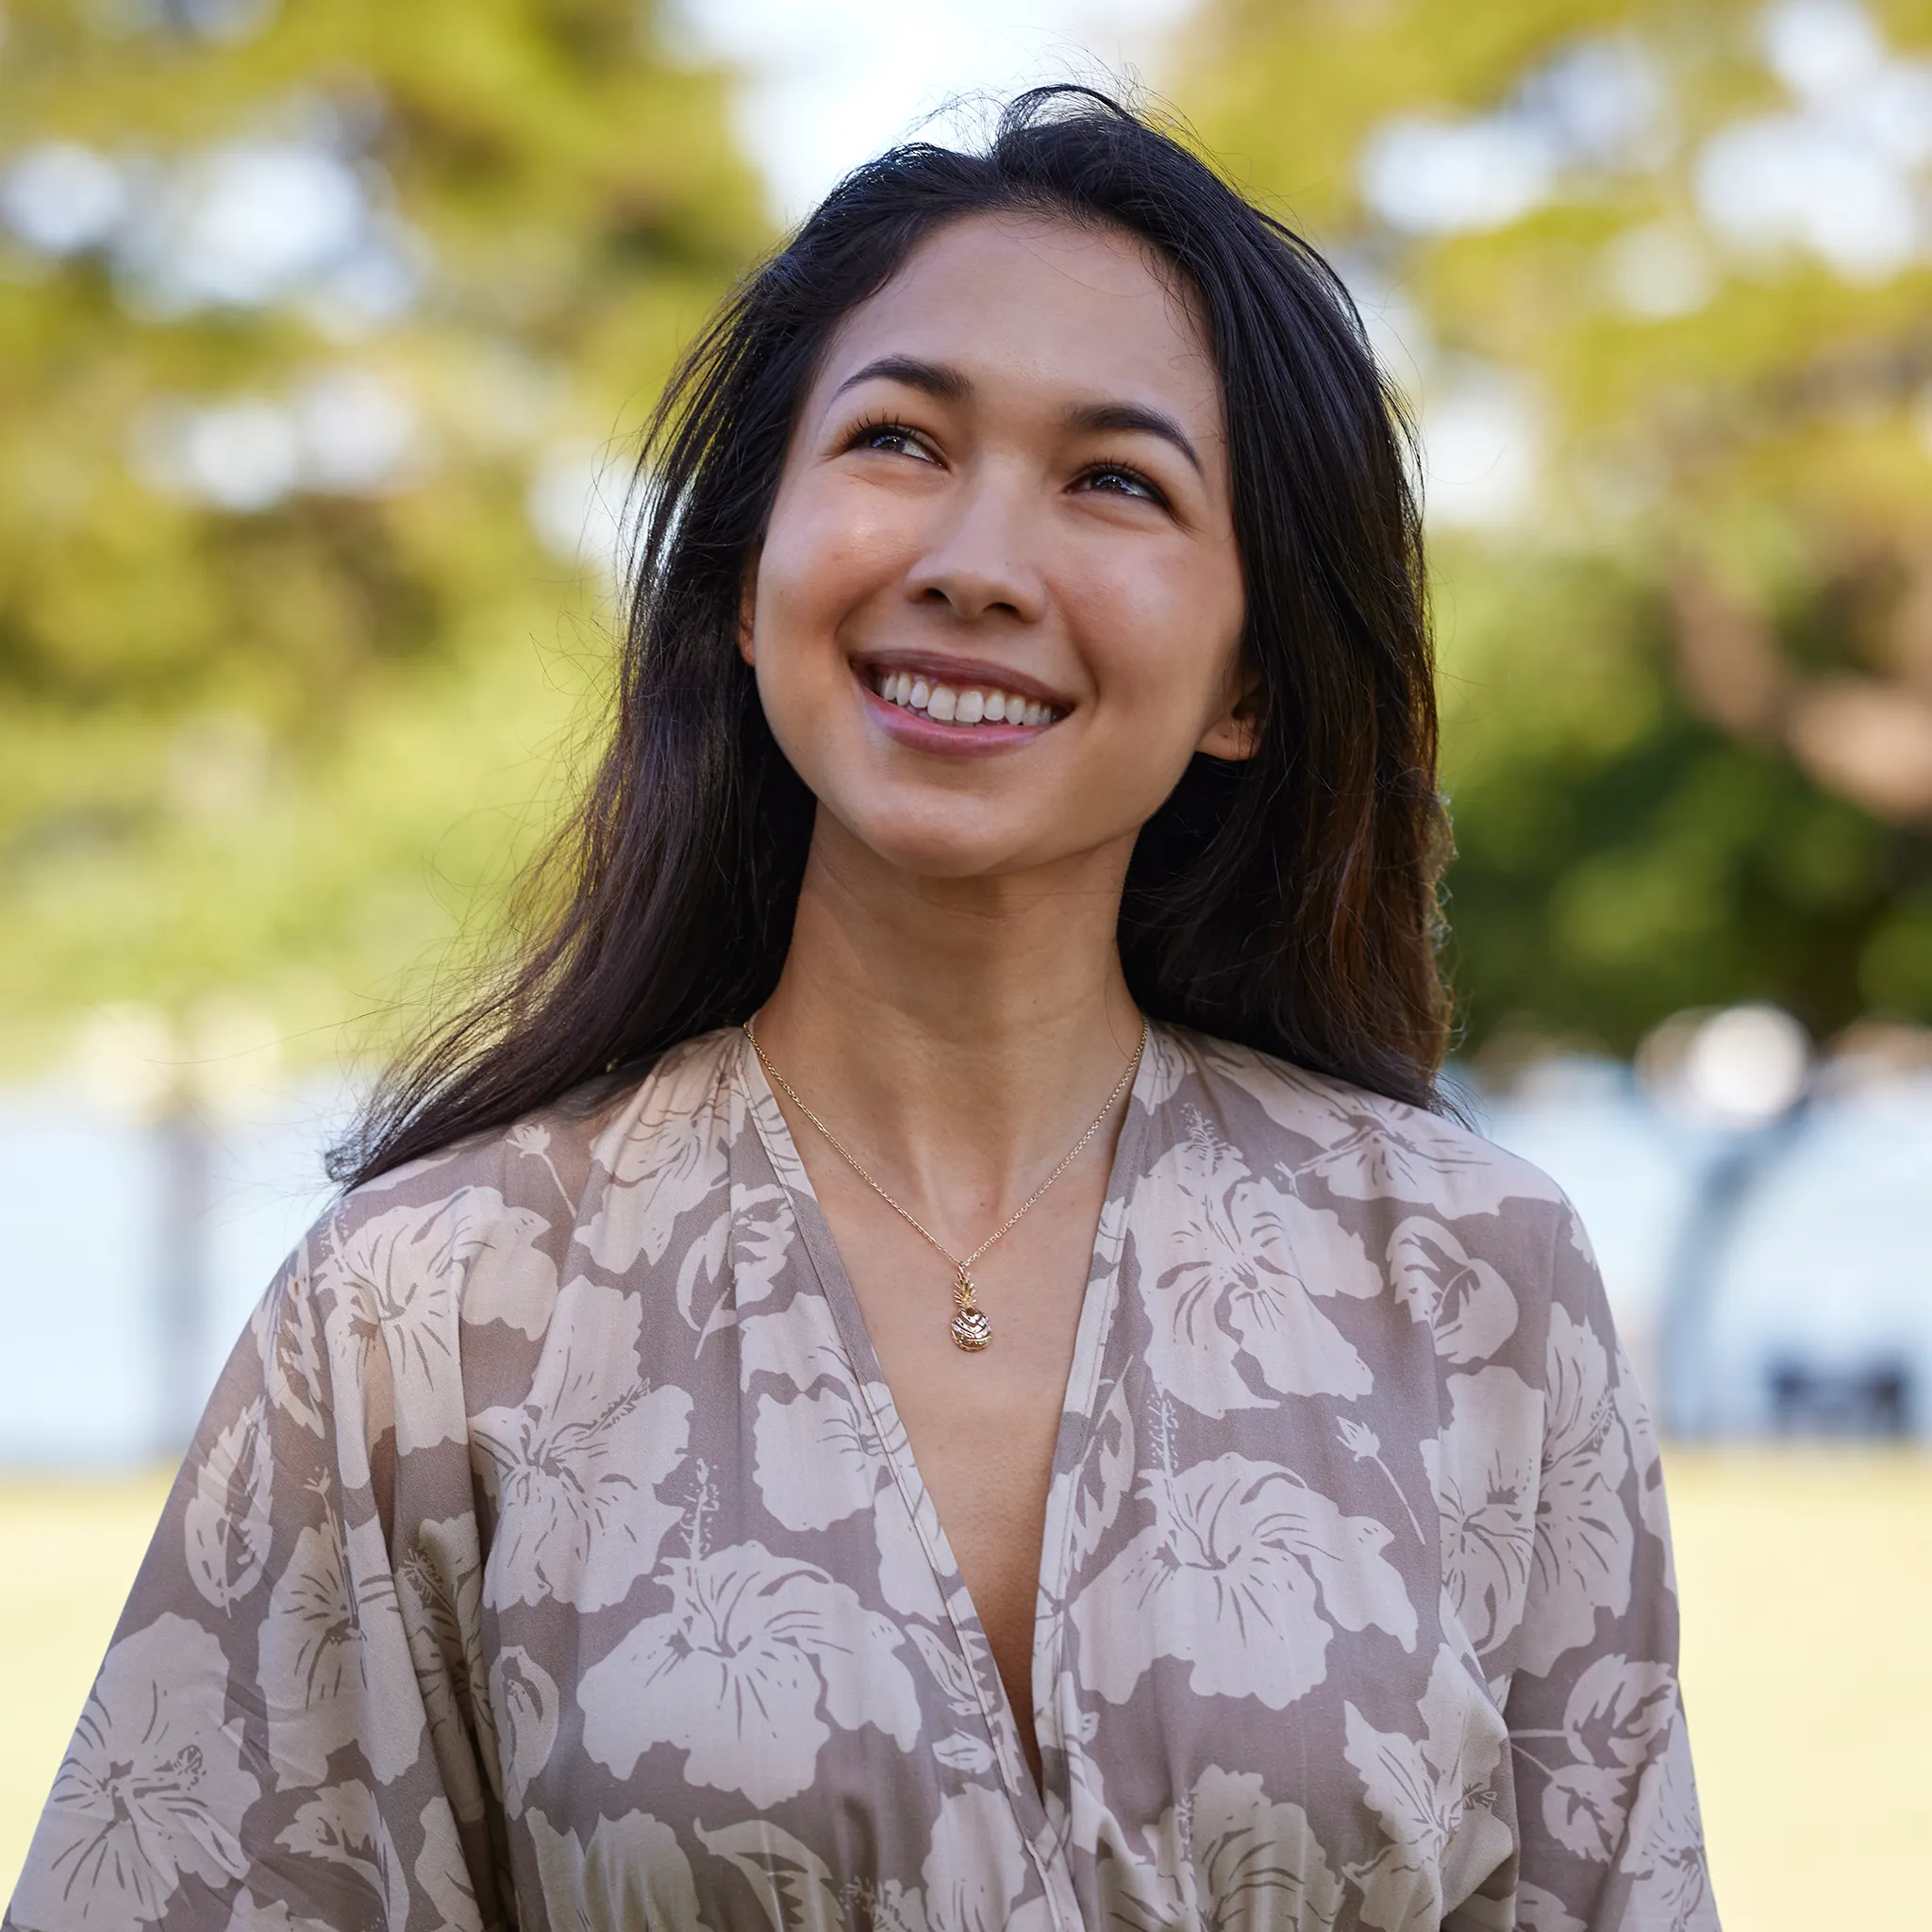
(982, 1427)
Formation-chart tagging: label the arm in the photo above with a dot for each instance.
(1611, 1841)
(291, 1728)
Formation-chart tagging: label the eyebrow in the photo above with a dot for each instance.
(948, 385)
(942, 384)
(1135, 419)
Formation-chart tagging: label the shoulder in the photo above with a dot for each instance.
(494, 1216)
(1359, 1145)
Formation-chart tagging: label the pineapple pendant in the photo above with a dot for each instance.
(971, 1331)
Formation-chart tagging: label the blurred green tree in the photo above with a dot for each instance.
(1657, 280)
(320, 332)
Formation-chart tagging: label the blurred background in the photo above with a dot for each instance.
(325, 331)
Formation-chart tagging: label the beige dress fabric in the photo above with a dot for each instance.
(551, 1556)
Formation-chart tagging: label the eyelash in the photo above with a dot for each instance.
(872, 427)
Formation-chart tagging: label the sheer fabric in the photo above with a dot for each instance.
(551, 1556)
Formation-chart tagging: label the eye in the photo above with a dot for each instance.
(1117, 479)
(889, 438)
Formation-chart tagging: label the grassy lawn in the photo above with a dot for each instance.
(1807, 1666)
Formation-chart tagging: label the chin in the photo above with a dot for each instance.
(941, 857)
(935, 843)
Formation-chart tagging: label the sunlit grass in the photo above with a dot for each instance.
(1807, 1666)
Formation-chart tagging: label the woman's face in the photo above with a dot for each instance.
(999, 603)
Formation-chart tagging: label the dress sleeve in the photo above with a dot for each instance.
(290, 1729)
(1611, 1836)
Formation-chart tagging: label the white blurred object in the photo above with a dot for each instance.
(1658, 272)
(246, 223)
(1740, 1068)
(1432, 175)
(1599, 104)
(241, 454)
(128, 1059)
(583, 504)
(357, 431)
(1594, 105)
(1836, 177)
(1821, 48)
(233, 1049)
(1779, 181)
(834, 84)
(1398, 331)
(345, 431)
(61, 197)
(1482, 438)
(1821, 1309)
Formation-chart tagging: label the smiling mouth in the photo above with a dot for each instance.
(965, 706)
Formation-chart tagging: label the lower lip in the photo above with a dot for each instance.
(914, 729)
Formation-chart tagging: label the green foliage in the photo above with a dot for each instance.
(285, 742)
(1688, 691)
(234, 737)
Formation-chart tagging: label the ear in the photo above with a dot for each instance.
(1237, 733)
(747, 610)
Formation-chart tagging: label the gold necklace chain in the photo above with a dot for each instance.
(971, 1330)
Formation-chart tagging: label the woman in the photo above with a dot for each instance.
(1048, 1424)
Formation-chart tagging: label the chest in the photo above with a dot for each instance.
(981, 1428)
(798, 1603)
(754, 1638)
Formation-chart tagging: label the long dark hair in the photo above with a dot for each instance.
(1288, 901)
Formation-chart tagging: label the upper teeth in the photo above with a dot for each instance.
(977, 704)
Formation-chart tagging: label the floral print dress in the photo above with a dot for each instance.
(551, 1557)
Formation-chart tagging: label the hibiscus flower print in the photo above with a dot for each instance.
(632, 1872)
(1467, 1306)
(151, 1790)
(574, 1468)
(1372, 1149)
(1226, 1860)
(1434, 1796)
(226, 1524)
(1584, 1538)
(392, 1288)
(342, 1827)
(665, 1161)
(251, 1914)
(524, 1697)
(1484, 1469)
(287, 1332)
(332, 1627)
(814, 1460)
(1231, 1268)
(1617, 1718)
(974, 1878)
(738, 1261)
(742, 1673)
(1665, 1853)
(440, 1588)
(1245, 1575)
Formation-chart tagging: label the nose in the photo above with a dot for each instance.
(980, 563)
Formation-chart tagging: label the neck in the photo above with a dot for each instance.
(957, 1035)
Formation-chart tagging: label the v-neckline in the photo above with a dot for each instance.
(1098, 1299)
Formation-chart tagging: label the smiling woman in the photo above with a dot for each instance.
(930, 1360)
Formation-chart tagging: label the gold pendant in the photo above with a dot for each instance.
(971, 1331)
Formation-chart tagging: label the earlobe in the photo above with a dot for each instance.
(1237, 733)
(1233, 737)
(747, 606)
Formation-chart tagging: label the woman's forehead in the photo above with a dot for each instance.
(1030, 300)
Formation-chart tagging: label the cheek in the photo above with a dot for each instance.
(1167, 635)
(824, 557)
